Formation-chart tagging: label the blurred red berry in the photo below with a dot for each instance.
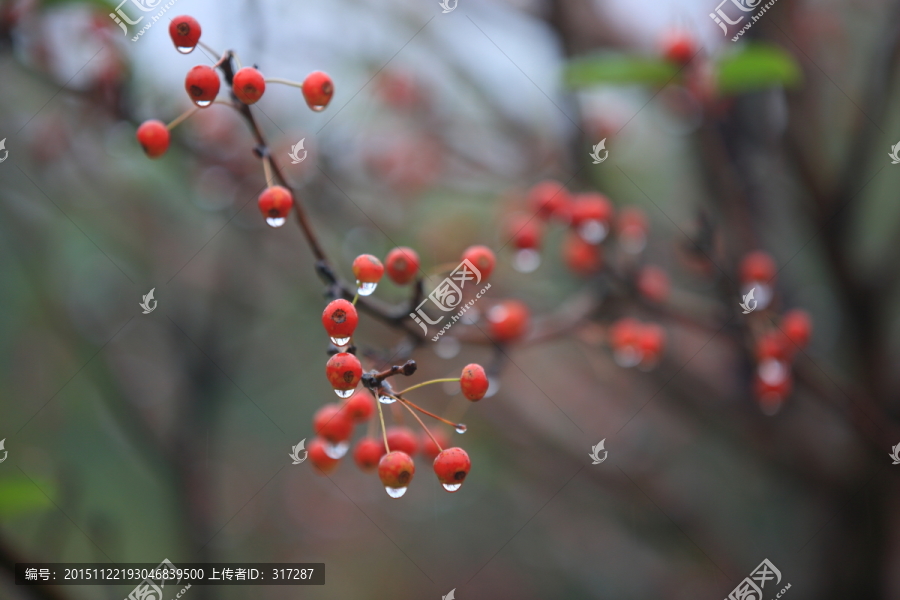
(275, 204)
(332, 423)
(632, 228)
(581, 257)
(185, 33)
(402, 439)
(508, 321)
(483, 258)
(474, 382)
(526, 232)
(451, 467)
(367, 452)
(318, 90)
(679, 47)
(757, 266)
(624, 333)
(771, 394)
(343, 371)
(360, 406)
(797, 325)
(402, 264)
(367, 269)
(249, 85)
(428, 448)
(650, 341)
(396, 470)
(592, 206)
(202, 85)
(153, 137)
(340, 319)
(549, 198)
(653, 284)
(772, 344)
(317, 456)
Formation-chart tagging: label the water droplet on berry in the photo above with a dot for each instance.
(366, 289)
(275, 221)
(593, 231)
(386, 399)
(202, 103)
(340, 342)
(451, 487)
(185, 49)
(336, 450)
(627, 357)
(344, 393)
(320, 108)
(772, 371)
(447, 347)
(461, 428)
(526, 260)
(395, 492)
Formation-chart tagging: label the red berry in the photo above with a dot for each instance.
(771, 394)
(340, 319)
(474, 382)
(202, 85)
(650, 342)
(483, 258)
(367, 452)
(318, 90)
(526, 232)
(248, 85)
(275, 204)
(591, 206)
(632, 229)
(679, 47)
(797, 325)
(185, 33)
(396, 470)
(428, 448)
(581, 257)
(332, 423)
(402, 439)
(360, 406)
(153, 136)
(451, 467)
(624, 333)
(653, 284)
(549, 198)
(772, 344)
(508, 321)
(317, 456)
(757, 266)
(367, 269)
(343, 371)
(402, 264)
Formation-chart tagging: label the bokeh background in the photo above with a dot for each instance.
(134, 438)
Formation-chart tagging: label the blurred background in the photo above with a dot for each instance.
(134, 438)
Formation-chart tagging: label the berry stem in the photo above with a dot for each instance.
(181, 118)
(424, 383)
(208, 49)
(383, 430)
(283, 81)
(268, 170)
(428, 431)
(355, 298)
(422, 410)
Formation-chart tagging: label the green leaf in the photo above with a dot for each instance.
(19, 495)
(757, 67)
(618, 69)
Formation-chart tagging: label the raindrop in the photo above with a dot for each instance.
(772, 371)
(593, 231)
(275, 221)
(526, 260)
(447, 347)
(336, 450)
(627, 357)
(385, 399)
(185, 49)
(366, 289)
(320, 108)
(203, 104)
(340, 342)
(344, 393)
(395, 492)
(451, 487)
(461, 428)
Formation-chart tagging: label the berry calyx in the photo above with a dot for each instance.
(153, 137)
(797, 326)
(185, 33)
(319, 458)
(396, 470)
(332, 423)
(367, 452)
(451, 467)
(474, 382)
(249, 85)
(429, 448)
(318, 90)
(508, 321)
(482, 258)
(549, 198)
(202, 85)
(679, 47)
(526, 232)
(344, 372)
(360, 406)
(367, 269)
(581, 257)
(757, 266)
(402, 264)
(402, 439)
(340, 319)
(275, 204)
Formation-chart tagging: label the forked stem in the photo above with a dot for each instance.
(424, 383)
(422, 410)
(181, 118)
(283, 81)
(428, 431)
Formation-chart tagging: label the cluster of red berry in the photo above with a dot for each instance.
(333, 423)
(247, 86)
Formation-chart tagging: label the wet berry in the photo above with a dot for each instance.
(367, 269)
(332, 424)
(275, 204)
(757, 266)
(591, 216)
(202, 85)
(185, 33)
(343, 371)
(428, 448)
(474, 382)
(248, 85)
(549, 198)
(508, 321)
(451, 467)
(367, 452)
(653, 284)
(360, 406)
(396, 470)
(340, 319)
(153, 136)
(318, 90)
(624, 333)
(581, 257)
(483, 258)
(317, 456)
(797, 326)
(402, 264)
(402, 439)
